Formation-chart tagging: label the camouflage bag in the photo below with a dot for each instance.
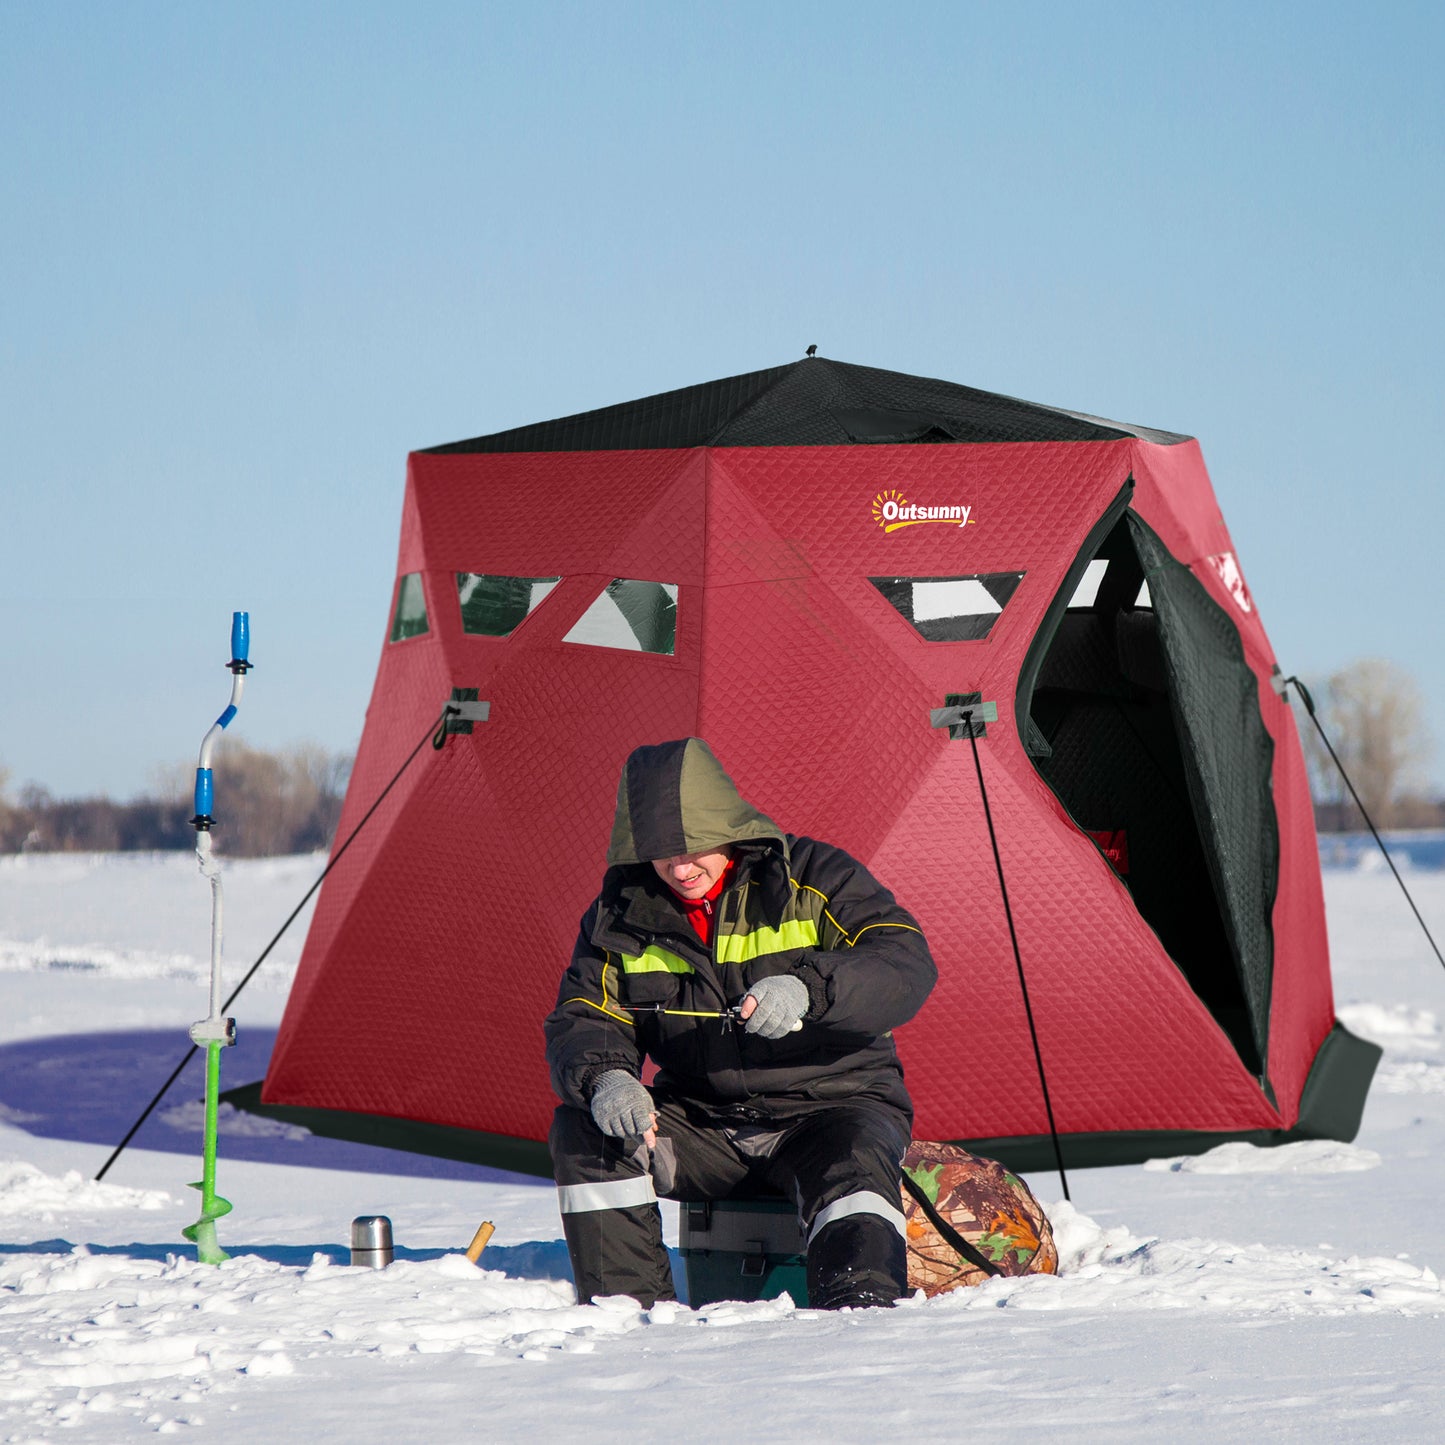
(968, 1219)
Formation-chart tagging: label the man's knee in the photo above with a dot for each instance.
(849, 1154)
(579, 1148)
(573, 1132)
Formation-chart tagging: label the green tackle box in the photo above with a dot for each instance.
(742, 1249)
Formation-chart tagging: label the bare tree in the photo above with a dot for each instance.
(1374, 716)
(10, 819)
(268, 802)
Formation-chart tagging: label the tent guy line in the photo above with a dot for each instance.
(1309, 703)
(449, 710)
(967, 720)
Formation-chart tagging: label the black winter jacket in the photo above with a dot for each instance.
(642, 984)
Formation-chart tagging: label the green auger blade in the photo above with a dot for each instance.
(211, 1209)
(203, 1236)
(203, 1232)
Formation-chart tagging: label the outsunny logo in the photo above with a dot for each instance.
(892, 510)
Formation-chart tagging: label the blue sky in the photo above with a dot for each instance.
(251, 255)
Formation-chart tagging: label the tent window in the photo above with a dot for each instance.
(493, 606)
(410, 617)
(1142, 600)
(951, 609)
(1087, 592)
(637, 616)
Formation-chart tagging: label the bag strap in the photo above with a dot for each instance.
(947, 1232)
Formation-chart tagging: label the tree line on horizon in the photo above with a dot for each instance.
(269, 803)
(1373, 714)
(289, 801)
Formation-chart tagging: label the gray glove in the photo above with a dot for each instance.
(621, 1107)
(782, 1002)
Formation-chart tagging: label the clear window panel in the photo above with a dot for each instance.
(637, 616)
(410, 618)
(493, 606)
(951, 609)
(1087, 592)
(1143, 599)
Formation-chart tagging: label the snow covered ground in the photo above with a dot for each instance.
(1246, 1294)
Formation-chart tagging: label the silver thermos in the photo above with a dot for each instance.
(371, 1241)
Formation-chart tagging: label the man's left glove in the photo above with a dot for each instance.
(621, 1107)
(782, 1002)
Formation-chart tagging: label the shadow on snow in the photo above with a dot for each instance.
(90, 1088)
(537, 1260)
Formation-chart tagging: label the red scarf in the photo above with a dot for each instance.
(700, 911)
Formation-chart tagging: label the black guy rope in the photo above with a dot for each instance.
(1018, 958)
(440, 731)
(1309, 703)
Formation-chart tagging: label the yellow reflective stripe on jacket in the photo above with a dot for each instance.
(653, 959)
(741, 947)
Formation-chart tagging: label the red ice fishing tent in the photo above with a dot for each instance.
(802, 565)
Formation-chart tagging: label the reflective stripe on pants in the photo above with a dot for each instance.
(611, 1194)
(865, 1201)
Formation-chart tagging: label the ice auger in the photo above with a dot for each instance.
(215, 1032)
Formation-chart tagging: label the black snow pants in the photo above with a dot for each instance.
(838, 1160)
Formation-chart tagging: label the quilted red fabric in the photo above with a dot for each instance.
(419, 995)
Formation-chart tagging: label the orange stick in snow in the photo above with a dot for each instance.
(485, 1230)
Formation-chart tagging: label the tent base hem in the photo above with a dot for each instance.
(411, 1136)
(1331, 1106)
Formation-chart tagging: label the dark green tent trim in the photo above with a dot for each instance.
(439, 1141)
(1330, 1108)
(816, 402)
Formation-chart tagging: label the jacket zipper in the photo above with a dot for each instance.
(715, 932)
(715, 978)
(735, 1033)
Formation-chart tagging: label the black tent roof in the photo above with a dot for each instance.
(814, 402)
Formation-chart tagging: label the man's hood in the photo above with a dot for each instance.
(675, 798)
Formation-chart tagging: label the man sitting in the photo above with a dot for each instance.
(762, 973)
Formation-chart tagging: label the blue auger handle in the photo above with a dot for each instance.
(240, 636)
(205, 793)
(239, 666)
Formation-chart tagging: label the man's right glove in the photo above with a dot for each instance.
(781, 1003)
(621, 1107)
